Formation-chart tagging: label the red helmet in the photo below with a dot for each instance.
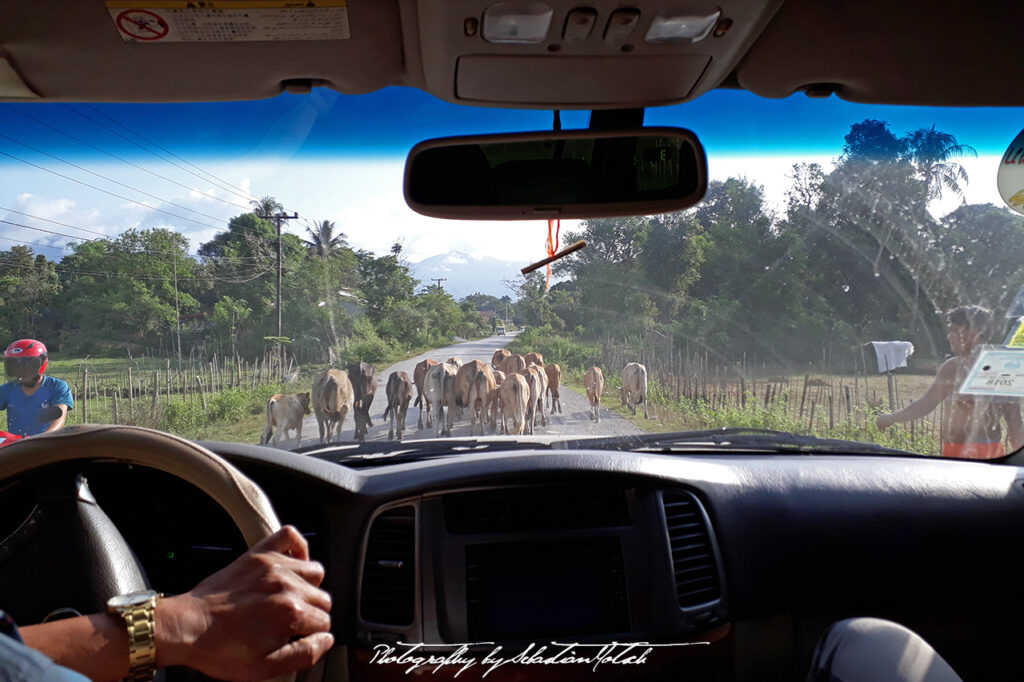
(25, 359)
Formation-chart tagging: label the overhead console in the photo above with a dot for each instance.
(544, 54)
(534, 564)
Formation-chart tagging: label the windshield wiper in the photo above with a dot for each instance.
(379, 453)
(732, 439)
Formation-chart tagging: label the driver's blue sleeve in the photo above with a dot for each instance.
(3, 395)
(19, 663)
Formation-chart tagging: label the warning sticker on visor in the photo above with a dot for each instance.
(228, 21)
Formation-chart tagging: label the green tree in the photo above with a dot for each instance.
(930, 151)
(125, 290)
(230, 314)
(323, 238)
(28, 290)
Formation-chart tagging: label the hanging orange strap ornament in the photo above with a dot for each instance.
(554, 232)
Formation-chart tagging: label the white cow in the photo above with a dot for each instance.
(634, 387)
(439, 391)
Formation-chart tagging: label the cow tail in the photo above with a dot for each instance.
(387, 410)
(265, 436)
(419, 400)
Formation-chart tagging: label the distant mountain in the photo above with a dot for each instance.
(466, 273)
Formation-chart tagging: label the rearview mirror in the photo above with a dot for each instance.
(560, 174)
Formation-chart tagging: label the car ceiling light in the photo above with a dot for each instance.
(579, 24)
(683, 26)
(621, 24)
(517, 22)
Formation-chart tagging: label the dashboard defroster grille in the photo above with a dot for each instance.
(693, 556)
(388, 593)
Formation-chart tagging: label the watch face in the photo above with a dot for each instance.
(132, 599)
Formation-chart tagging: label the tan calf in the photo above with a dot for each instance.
(515, 397)
(284, 414)
(593, 381)
(418, 375)
(554, 373)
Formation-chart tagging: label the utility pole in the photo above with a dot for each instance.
(277, 220)
(177, 311)
(439, 280)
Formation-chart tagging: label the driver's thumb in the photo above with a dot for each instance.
(287, 541)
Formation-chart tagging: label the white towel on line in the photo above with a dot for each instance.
(892, 354)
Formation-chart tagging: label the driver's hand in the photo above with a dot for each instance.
(884, 421)
(262, 616)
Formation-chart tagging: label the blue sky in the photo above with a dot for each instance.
(329, 156)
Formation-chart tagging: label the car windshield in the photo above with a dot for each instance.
(852, 273)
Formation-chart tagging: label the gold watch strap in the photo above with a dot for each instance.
(141, 622)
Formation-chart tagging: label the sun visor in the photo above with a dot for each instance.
(570, 80)
(11, 84)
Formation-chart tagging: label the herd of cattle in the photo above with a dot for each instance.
(512, 390)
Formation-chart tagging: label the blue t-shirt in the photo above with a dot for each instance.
(23, 411)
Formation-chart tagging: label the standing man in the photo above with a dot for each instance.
(35, 403)
(972, 427)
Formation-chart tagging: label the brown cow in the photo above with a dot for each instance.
(481, 388)
(418, 375)
(364, 385)
(593, 381)
(513, 364)
(535, 358)
(499, 377)
(454, 361)
(554, 373)
(332, 400)
(284, 413)
(464, 378)
(399, 393)
(537, 380)
(515, 396)
(499, 357)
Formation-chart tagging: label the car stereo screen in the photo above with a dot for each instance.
(543, 589)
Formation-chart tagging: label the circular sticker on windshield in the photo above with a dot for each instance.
(1010, 179)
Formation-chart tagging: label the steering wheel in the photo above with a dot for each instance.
(114, 568)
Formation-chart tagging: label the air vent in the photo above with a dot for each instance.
(693, 557)
(389, 578)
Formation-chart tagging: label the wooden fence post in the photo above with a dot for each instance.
(85, 396)
(131, 396)
(156, 396)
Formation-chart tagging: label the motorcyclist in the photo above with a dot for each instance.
(35, 403)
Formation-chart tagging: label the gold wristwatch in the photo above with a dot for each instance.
(139, 612)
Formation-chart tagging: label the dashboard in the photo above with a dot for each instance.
(727, 566)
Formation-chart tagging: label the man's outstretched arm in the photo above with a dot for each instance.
(941, 388)
(259, 617)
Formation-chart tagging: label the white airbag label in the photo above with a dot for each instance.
(228, 21)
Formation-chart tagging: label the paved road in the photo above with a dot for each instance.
(574, 419)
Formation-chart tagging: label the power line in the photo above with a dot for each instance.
(104, 177)
(106, 236)
(99, 273)
(115, 156)
(113, 194)
(224, 183)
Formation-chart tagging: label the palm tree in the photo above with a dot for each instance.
(266, 207)
(323, 238)
(930, 150)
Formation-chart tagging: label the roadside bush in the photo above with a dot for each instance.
(556, 347)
